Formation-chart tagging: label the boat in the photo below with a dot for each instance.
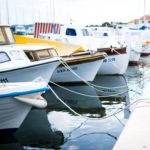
(79, 66)
(16, 100)
(20, 30)
(79, 61)
(134, 43)
(24, 62)
(116, 63)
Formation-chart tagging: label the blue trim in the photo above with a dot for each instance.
(23, 93)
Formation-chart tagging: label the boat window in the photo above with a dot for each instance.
(4, 57)
(85, 32)
(2, 38)
(9, 35)
(43, 54)
(18, 55)
(71, 32)
(53, 52)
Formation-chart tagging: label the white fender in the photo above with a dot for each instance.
(39, 103)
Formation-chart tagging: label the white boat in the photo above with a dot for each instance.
(114, 64)
(82, 67)
(79, 61)
(16, 100)
(146, 44)
(20, 30)
(134, 44)
(24, 62)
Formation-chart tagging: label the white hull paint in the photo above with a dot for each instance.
(115, 64)
(29, 73)
(146, 49)
(87, 71)
(134, 56)
(12, 113)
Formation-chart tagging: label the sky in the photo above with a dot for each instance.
(82, 12)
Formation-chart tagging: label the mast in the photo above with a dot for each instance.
(144, 11)
(7, 12)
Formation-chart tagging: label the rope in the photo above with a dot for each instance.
(86, 82)
(74, 112)
(75, 92)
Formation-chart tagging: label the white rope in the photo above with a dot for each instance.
(116, 112)
(64, 102)
(86, 95)
(88, 83)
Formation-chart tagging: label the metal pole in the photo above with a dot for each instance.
(7, 14)
(144, 11)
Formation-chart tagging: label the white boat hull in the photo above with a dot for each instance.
(87, 71)
(12, 114)
(29, 73)
(134, 56)
(145, 50)
(115, 64)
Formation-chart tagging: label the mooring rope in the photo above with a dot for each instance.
(86, 95)
(86, 82)
(113, 114)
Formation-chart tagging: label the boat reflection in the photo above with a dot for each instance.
(9, 142)
(94, 105)
(36, 131)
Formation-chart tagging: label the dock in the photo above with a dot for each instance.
(136, 134)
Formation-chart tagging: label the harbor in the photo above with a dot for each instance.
(74, 83)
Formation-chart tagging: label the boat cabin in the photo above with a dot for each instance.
(40, 52)
(34, 52)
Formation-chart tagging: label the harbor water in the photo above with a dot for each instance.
(91, 117)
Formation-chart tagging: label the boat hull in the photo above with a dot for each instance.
(87, 71)
(114, 64)
(134, 56)
(145, 50)
(29, 73)
(12, 114)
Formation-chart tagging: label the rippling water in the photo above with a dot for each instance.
(94, 120)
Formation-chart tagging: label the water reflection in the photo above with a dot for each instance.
(57, 127)
(99, 125)
(9, 142)
(34, 132)
(109, 92)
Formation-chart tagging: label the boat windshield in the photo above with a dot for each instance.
(9, 35)
(2, 37)
(6, 36)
